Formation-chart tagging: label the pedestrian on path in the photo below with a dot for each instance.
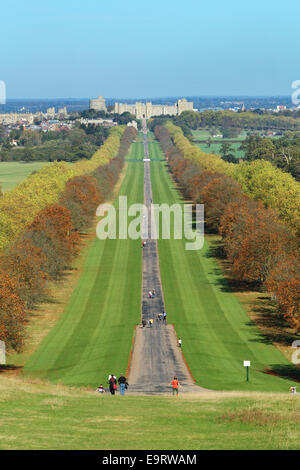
(150, 294)
(122, 382)
(112, 384)
(180, 342)
(175, 385)
(153, 293)
(164, 317)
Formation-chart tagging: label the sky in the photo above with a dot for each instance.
(136, 49)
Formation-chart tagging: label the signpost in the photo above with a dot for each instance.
(247, 364)
(2, 353)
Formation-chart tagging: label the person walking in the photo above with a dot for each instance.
(122, 382)
(180, 342)
(112, 380)
(164, 317)
(175, 385)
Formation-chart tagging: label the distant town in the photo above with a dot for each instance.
(53, 115)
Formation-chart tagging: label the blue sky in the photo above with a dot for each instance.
(148, 49)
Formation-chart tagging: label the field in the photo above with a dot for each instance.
(12, 173)
(94, 334)
(215, 147)
(216, 331)
(46, 416)
(202, 134)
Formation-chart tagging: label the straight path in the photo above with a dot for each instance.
(156, 357)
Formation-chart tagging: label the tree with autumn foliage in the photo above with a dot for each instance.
(26, 263)
(52, 231)
(81, 197)
(284, 282)
(12, 314)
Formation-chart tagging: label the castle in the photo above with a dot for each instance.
(144, 110)
(98, 104)
(148, 110)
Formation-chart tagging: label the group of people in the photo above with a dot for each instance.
(162, 317)
(113, 385)
(151, 293)
(150, 322)
(123, 384)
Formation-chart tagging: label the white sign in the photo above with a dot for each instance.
(2, 353)
(247, 363)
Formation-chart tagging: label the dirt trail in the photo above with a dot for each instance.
(156, 357)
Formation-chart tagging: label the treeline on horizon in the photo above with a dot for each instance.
(63, 145)
(261, 244)
(69, 145)
(283, 151)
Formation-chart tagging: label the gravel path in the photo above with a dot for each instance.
(156, 357)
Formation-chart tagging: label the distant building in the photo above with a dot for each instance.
(14, 118)
(98, 104)
(98, 122)
(132, 124)
(50, 113)
(62, 112)
(148, 110)
(184, 105)
(280, 108)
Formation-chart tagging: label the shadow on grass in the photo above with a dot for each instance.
(272, 327)
(9, 367)
(287, 372)
(228, 284)
(278, 330)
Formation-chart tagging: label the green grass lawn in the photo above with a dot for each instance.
(201, 134)
(215, 147)
(94, 334)
(12, 173)
(46, 416)
(216, 331)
